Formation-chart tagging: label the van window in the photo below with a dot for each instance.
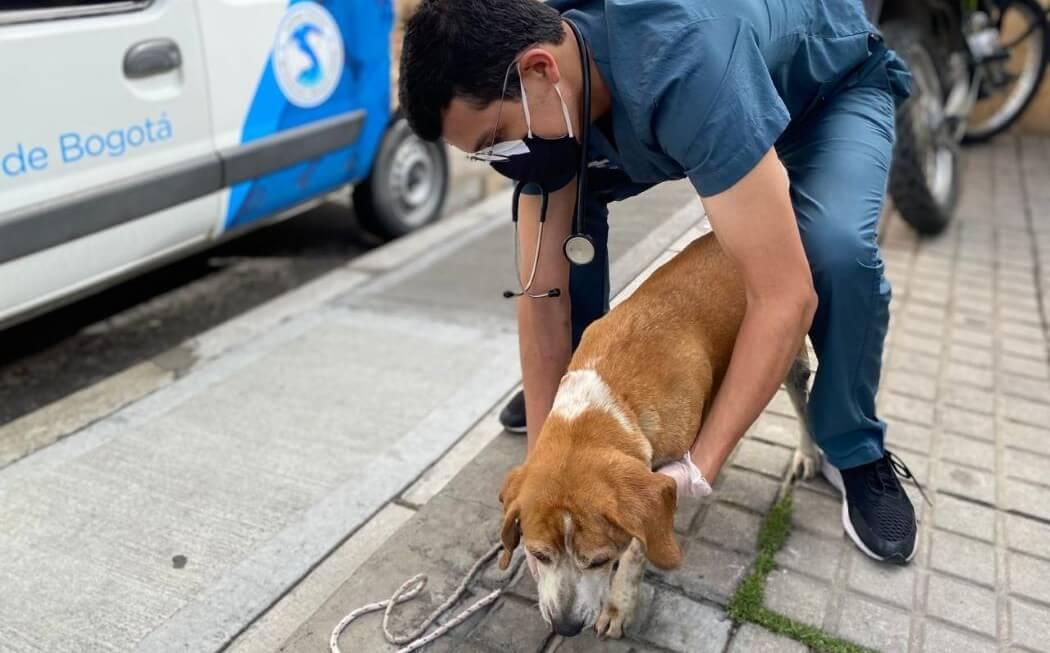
(23, 11)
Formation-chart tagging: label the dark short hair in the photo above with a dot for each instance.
(462, 48)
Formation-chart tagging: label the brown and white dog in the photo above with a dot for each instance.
(587, 502)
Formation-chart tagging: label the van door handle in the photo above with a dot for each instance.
(152, 57)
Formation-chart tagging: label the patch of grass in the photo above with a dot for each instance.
(747, 602)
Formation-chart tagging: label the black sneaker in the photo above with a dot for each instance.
(512, 417)
(876, 511)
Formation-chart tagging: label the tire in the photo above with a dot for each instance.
(407, 187)
(924, 177)
(1031, 77)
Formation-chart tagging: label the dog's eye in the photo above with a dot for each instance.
(598, 562)
(540, 557)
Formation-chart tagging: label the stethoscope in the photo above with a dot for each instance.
(578, 247)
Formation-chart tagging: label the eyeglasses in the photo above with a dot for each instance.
(490, 154)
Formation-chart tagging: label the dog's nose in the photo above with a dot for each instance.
(567, 628)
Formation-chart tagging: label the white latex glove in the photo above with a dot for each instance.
(687, 476)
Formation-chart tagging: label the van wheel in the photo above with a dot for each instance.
(408, 184)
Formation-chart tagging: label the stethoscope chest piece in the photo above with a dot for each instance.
(579, 249)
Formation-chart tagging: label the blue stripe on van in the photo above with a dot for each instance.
(365, 84)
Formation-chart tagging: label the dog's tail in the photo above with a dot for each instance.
(797, 381)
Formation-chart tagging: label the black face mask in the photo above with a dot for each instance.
(549, 163)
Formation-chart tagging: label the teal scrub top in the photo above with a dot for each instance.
(704, 88)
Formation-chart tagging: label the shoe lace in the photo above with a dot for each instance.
(886, 472)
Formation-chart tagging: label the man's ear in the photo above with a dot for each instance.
(645, 510)
(510, 534)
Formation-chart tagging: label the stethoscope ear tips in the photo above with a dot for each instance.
(579, 249)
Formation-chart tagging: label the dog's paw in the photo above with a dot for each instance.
(805, 465)
(611, 622)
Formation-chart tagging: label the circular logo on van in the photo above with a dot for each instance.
(308, 55)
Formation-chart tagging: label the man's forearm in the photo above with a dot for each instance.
(545, 339)
(769, 340)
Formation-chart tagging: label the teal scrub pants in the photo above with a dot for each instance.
(838, 158)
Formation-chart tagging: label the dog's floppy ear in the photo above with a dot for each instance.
(645, 510)
(510, 534)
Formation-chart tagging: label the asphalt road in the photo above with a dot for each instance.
(54, 355)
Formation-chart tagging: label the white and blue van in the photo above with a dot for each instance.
(135, 131)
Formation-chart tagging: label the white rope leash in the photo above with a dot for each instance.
(408, 591)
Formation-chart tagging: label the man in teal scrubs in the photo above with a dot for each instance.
(729, 94)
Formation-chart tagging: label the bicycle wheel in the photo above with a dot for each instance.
(1010, 83)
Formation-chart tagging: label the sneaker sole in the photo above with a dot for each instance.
(516, 430)
(834, 476)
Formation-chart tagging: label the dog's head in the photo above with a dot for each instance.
(576, 515)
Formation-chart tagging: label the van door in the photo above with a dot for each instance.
(300, 95)
(106, 156)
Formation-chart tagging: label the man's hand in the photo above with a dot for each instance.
(756, 226)
(687, 476)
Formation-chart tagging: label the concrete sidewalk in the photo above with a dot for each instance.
(255, 450)
(967, 395)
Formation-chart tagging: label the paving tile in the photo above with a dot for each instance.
(1025, 411)
(923, 313)
(963, 604)
(707, 571)
(1027, 466)
(927, 328)
(1025, 387)
(1023, 331)
(776, 428)
(781, 404)
(816, 512)
(755, 639)
(796, 596)
(968, 423)
(963, 557)
(875, 625)
(685, 513)
(911, 384)
(922, 344)
(975, 356)
(915, 362)
(586, 642)
(1024, 436)
(968, 397)
(965, 482)
(811, 554)
(1028, 499)
(912, 437)
(746, 488)
(964, 517)
(907, 409)
(980, 377)
(680, 624)
(1028, 536)
(731, 527)
(972, 337)
(1022, 366)
(940, 638)
(1030, 577)
(890, 583)
(766, 458)
(967, 451)
(513, 627)
(1030, 624)
(1026, 348)
(1023, 314)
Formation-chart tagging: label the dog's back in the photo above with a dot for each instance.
(666, 348)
